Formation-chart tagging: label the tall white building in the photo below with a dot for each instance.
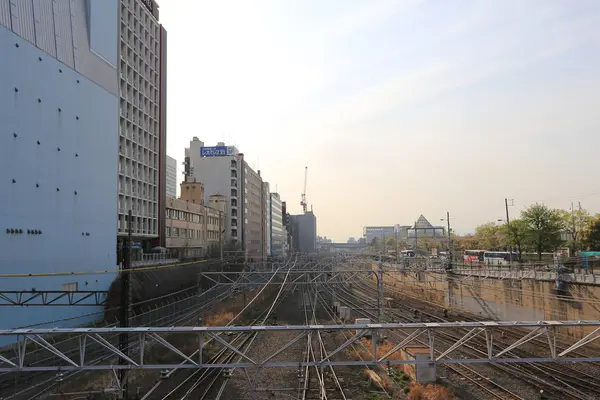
(171, 177)
(220, 170)
(223, 171)
(142, 124)
(277, 233)
(59, 118)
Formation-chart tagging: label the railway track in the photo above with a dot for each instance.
(21, 387)
(204, 383)
(565, 378)
(557, 386)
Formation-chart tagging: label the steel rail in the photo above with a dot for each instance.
(514, 370)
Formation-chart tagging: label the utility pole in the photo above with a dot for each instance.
(396, 228)
(508, 225)
(125, 308)
(221, 236)
(450, 255)
(416, 238)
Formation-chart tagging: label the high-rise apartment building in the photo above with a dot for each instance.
(142, 124)
(277, 233)
(171, 177)
(223, 171)
(59, 114)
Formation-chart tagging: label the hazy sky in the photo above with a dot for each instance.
(398, 108)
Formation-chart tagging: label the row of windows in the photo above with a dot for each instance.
(185, 216)
(191, 217)
(185, 233)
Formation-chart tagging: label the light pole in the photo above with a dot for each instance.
(450, 255)
(508, 226)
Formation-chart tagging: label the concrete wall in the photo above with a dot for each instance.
(502, 299)
(58, 168)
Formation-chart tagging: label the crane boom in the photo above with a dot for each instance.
(303, 201)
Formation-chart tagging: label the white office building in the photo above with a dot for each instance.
(171, 177)
(142, 125)
(277, 234)
(220, 170)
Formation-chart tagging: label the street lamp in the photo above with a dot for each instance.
(450, 255)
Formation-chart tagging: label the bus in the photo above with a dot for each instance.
(407, 253)
(499, 257)
(473, 256)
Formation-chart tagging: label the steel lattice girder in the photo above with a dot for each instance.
(496, 352)
(52, 298)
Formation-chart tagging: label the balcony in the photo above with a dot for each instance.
(233, 203)
(234, 183)
(234, 174)
(233, 192)
(234, 233)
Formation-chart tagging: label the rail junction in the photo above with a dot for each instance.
(288, 339)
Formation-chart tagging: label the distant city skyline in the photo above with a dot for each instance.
(397, 107)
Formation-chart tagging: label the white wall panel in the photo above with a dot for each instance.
(5, 14)
(22, 19)
(44, 26)
(63, 32)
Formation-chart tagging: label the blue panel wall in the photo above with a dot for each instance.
(58, 174)
(104, 29)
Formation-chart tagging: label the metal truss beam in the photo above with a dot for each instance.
(52, 298)
(497, 352)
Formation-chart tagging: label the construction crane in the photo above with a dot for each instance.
(303, 201)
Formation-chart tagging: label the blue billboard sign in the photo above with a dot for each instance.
(216, 151)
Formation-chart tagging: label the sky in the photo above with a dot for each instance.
(398, 107)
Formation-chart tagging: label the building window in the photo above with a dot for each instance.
(168, 231)
(70, 287)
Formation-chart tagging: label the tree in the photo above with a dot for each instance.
(517, 234)
(390, 243)
(490, 236)
(428, 243)
(544, 226)
(591, 235)
(575, 222)
(465, 242)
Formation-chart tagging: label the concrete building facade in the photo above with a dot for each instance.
(192, 228)
(59, 111)
(304, 232)
(171, 177)
(277, 233)
(142, 124)
(254, 230)
(266, 193)
(223, 171)
(220, 174)
(379, 232)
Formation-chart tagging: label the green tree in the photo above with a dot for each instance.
(390, 243)
(517, 235)
(465, 242)
(544, 226)
(575, 222)
(591, 235)
(490, 236)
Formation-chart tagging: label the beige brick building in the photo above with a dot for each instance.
(191, 226)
